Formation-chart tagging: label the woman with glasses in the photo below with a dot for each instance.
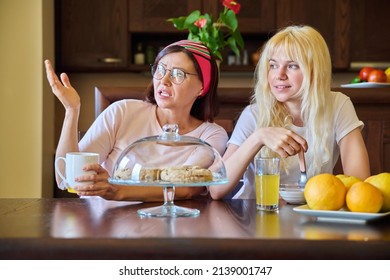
(183, 92)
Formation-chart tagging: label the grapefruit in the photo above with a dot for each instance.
(325, 192)
(348, 180)
(364, 197)
(382, 182)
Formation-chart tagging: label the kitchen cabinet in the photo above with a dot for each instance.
(91, 35)
(329, 17)
(151, 15)
(354, 30)
(255, 16)
(257, 21)
(148, 22)
(148, 28)
(100, 35)
(370, 33)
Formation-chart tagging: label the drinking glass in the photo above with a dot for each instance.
(267, 183)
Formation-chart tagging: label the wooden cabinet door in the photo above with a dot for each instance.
(92, 34)
(370, 32)
(330, 17)
(255, 16)
(152, 15)
(318, 14)
(355, 31)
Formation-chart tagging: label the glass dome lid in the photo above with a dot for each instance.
(169, 159)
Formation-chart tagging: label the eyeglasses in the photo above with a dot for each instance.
(177, 75)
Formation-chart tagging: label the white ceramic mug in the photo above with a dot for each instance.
(74, 164)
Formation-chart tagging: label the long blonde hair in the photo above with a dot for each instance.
(307, 47)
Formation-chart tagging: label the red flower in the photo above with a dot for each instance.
(232, 5)
(200, 23)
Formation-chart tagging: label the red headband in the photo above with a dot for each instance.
(202, 56)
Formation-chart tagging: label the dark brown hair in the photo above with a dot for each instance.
(204, 108)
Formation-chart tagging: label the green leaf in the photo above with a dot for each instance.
(185, 22)
(216, 35)
(229, 19)
(193, 29)
(218, 55)
(232, 44)
(212, 41)
(209, 20)
(178, 23)
(194, 37)
(191, 18)
(238, 38)
(356, 80)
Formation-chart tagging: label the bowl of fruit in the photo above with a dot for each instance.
(369, 76)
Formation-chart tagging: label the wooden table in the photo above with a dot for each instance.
(73, 228)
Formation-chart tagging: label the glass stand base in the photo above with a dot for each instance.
(168, 211)
(269, 208)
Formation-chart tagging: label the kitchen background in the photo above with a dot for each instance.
(79, 34)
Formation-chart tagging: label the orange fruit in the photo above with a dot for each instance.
(325, 192)
(364, 197)
(348, 180)
(382, 182)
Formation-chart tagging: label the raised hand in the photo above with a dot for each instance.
(64, 91)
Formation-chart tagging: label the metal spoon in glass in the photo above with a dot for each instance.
(302, 166)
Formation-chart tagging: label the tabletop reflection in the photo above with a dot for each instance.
(99, 218)
(95, 217)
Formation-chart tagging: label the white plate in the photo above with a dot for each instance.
(339, 216)
(167, 184)
(366, 85)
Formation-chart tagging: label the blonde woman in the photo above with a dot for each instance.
(293, 108)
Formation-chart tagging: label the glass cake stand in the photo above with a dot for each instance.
(169, 161)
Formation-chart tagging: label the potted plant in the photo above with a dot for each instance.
(215, 34)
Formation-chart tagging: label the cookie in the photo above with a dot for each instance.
(123, 174)
(186, 174)
(149, 174)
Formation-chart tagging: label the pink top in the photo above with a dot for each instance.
(126, 121)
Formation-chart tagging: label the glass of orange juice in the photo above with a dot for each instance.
(267, 183)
